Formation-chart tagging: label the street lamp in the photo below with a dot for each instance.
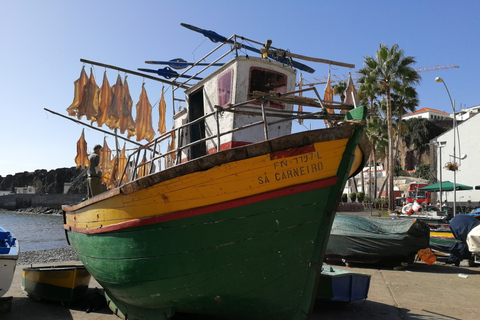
(438, 79)
(440, 145)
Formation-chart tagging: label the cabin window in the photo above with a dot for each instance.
(225, 88)
(266, 81)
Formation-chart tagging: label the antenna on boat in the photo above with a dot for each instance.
(215, 37)
(273, 53)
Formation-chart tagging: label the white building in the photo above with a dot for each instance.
(25, 190)
(428, 113)
(466, 144)
(464, 114)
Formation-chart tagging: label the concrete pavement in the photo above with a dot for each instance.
(418, 291)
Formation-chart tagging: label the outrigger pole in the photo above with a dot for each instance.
(92, 127)
(147, 76)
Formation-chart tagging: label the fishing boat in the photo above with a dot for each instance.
(63, 283)
(235, 224)
(365, 240)
(440, 234)
(414, 210)
(9, 250)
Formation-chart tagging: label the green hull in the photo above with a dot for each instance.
(442, 241)
(224, 264)
(260, 260)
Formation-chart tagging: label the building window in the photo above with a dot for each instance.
(264, 80)
(224, 86)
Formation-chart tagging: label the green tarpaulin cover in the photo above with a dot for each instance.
(372, 240)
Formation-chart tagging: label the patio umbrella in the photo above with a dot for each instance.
(446, 186)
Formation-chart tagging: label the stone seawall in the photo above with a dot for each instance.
(13, 202)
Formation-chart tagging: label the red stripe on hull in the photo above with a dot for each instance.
(292, 152)
(229, 145)
(211, 208)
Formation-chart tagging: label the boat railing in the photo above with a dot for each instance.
(169, 149)
(148, 159)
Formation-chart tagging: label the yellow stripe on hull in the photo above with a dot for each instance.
(441, 235)
(230, 181)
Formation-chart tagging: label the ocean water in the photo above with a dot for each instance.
(35, 232)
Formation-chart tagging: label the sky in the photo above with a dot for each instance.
(42, 42)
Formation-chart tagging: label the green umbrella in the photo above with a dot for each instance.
(446, 186)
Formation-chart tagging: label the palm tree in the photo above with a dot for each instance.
(389, 69)
(367, 93)
(375, 133)
(339, 89)
(404, 100)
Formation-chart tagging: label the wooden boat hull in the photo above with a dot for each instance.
(238, 234)
(442, 237)
(66, 283)
(9, 250)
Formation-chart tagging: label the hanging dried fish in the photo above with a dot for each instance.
(105, 165)
(79, 85)
(89, 104)
(81, 160)
(143, 167)
(105, 100)
(162, 107)
(144, 128)
(121, 164)
(115, 104)
(126, 121)
(328, 97)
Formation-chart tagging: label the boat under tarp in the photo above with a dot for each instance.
(461, 225)
(356, 239)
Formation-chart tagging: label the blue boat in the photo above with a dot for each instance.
(9, 250)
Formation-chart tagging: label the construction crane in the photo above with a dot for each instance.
(355, 76)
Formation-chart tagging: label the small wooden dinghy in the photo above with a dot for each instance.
(67, 283)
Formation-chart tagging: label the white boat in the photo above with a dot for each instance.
(416, 211)
(9, 250)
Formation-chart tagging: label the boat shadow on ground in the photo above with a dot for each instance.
(366, 310)
(31, 308)
(93, 302)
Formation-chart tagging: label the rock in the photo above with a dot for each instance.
(47, 182)
(47, 256)
(40, 210)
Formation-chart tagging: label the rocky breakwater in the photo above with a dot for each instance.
(49, 189)
(40, 210)
(47, 182)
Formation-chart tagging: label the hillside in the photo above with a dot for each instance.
(47, 182)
